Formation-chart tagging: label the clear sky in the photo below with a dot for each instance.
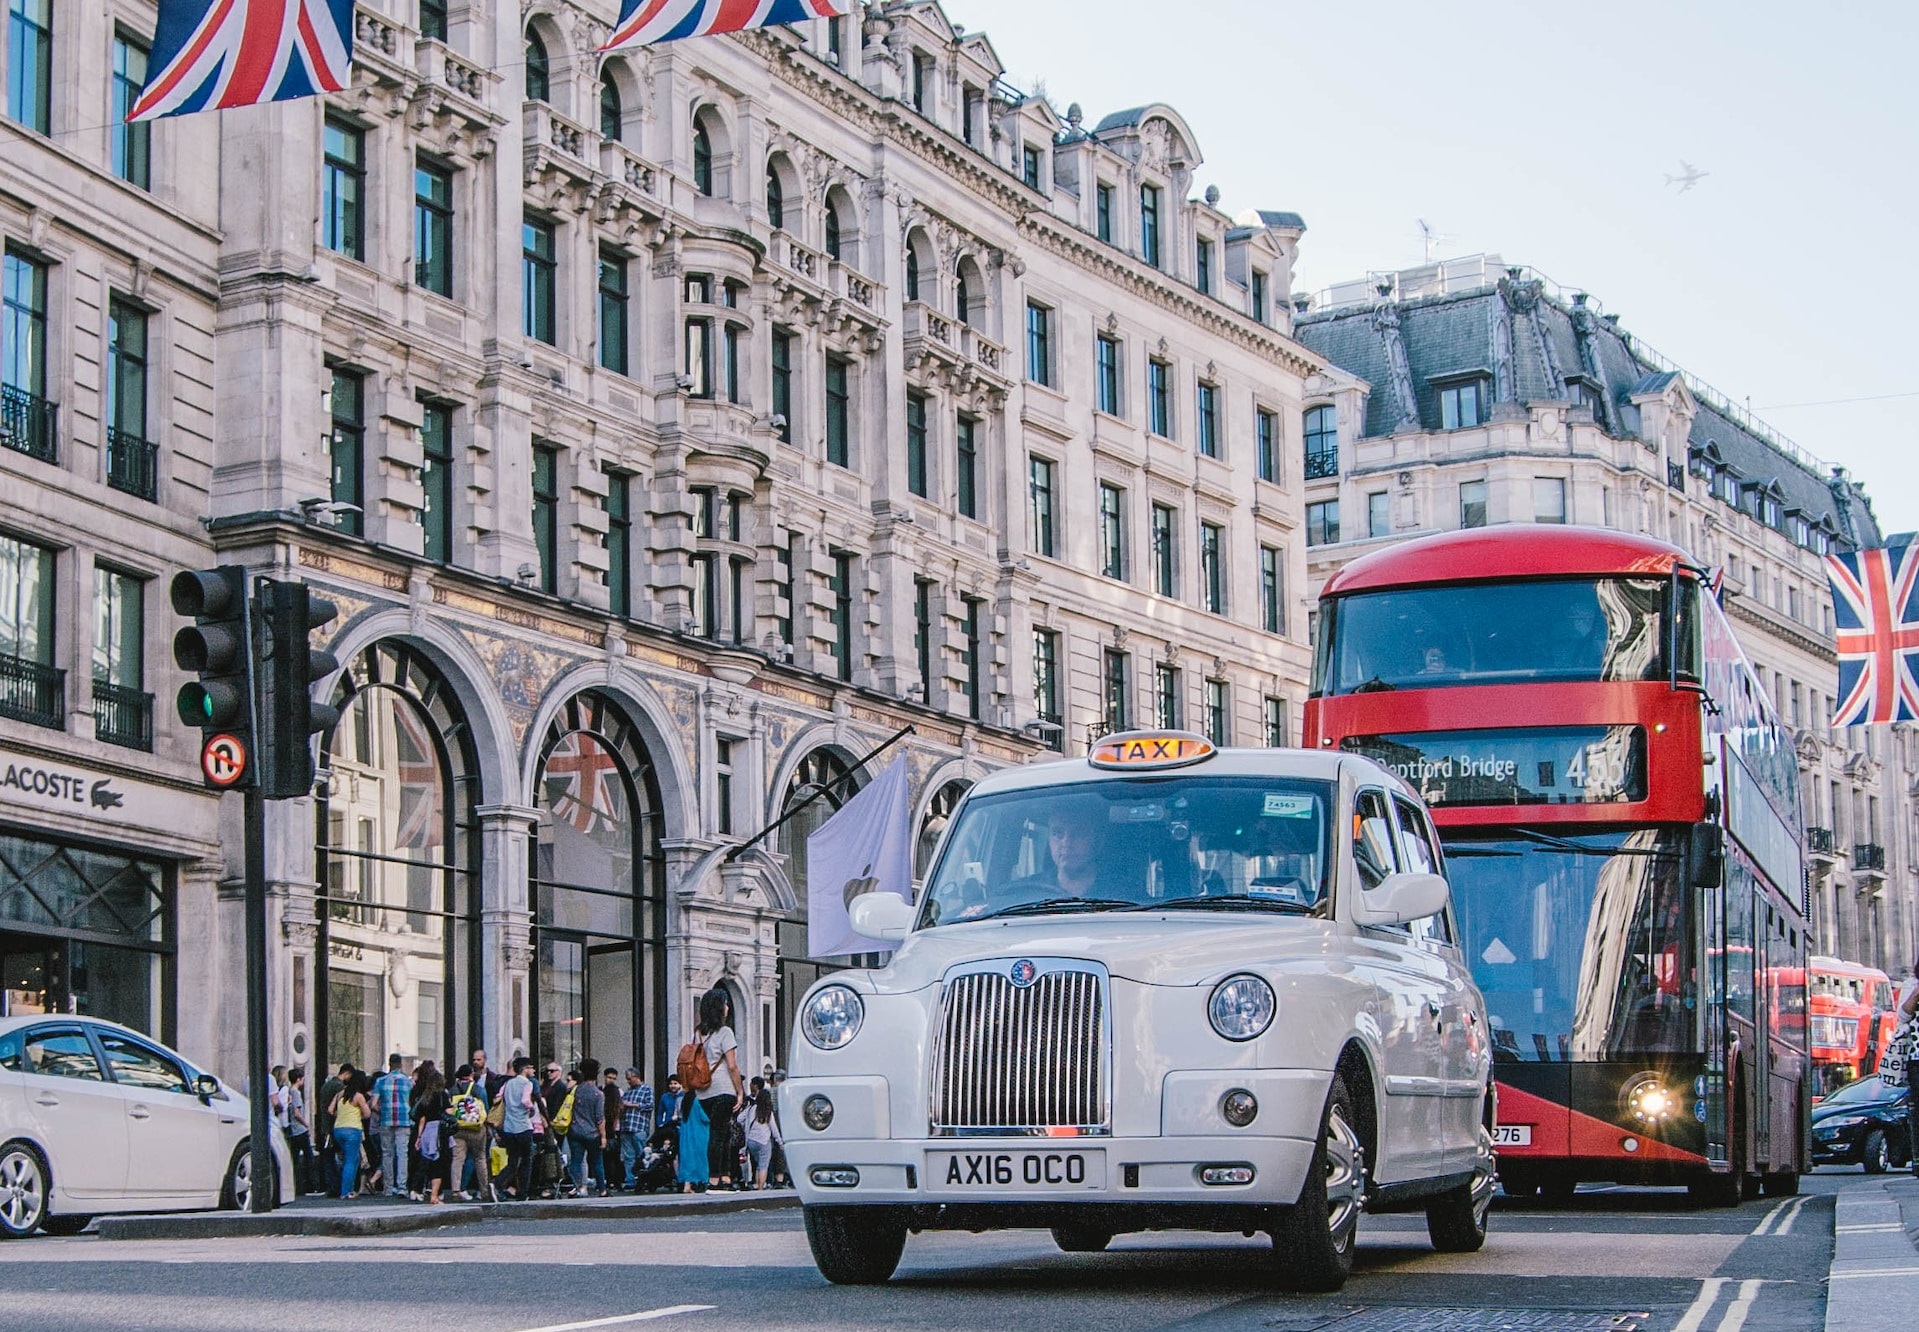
(1543, 132)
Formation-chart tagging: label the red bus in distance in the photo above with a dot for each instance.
(1620, 812)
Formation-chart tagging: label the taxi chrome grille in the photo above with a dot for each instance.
(1013, 1060)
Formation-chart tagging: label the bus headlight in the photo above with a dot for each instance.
(832, 1017)
(1242, 1007)
(1649, 1101)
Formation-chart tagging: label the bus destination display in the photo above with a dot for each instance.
(1541, 765)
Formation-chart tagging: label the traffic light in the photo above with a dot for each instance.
(216, 648)
(289, 717)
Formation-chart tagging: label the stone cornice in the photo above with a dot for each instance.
(1141, 280)
(1740, 609)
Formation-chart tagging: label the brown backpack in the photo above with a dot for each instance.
(696, 1074)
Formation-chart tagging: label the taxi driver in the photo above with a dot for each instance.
(1073, 840)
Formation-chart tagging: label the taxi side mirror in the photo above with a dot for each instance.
(884, 916)
(206, 1086)
(1401, 899)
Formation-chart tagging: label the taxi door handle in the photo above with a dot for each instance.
(46, 1098)
(140, 1112)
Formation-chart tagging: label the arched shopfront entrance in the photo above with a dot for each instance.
(598, 893)
(824, 769)
(398, 856)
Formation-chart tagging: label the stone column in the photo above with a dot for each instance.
(506, 1005)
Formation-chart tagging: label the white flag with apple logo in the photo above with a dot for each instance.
(867, 847)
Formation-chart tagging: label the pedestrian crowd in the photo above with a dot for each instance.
(484, 1134)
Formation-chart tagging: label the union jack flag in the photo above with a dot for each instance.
(643, 22)
(211, 54)
(1876, 614)
(583, 782)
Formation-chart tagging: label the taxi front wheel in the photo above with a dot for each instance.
(855, 1246)
(1313, 1242)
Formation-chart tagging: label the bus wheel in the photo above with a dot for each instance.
(1781, 1183)
(1558, 1190)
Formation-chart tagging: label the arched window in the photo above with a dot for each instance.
(598, 894)
(775, 199)
(965, 292)
(611, 116)
(919, 264)
(397, 858)
(702, 158)
(833, 243)
(539, 84)
(939, 813)
(823, 770)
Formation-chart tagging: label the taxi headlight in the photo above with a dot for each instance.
(832, 1017)
(1242, 1007)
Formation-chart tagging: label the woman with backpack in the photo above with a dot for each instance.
(466, 1123)
(721, 1096)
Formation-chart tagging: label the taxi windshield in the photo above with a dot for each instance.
(1179, 840)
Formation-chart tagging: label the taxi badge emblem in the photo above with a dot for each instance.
(1023, 973)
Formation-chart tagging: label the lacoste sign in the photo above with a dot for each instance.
(63, 788)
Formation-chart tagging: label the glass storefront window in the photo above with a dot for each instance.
(121, 904)
(598, 894)
(396, 830)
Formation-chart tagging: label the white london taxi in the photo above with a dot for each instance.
(1167, 986)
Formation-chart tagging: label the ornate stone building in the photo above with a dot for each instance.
(672, 429)
(1472, 393)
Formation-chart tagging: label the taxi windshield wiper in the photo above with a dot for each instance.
(1062, 904)
(1233, 903)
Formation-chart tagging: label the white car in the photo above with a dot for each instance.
(1164, 987)
(96, 1118)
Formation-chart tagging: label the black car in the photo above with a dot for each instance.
(1863, 1123)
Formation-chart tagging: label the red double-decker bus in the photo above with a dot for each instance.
(1620, 812)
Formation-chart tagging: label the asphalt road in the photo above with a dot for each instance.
(1610, 1262)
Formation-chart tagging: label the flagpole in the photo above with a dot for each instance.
(817, 792)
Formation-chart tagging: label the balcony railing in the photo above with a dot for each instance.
(1869, 856)
(1676, 475)
(122, 716)
(1819, 841)
(32, 692)
(1321, 463)
(133, 464)
(29, 424)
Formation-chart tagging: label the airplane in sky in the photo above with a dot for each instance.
(1689, 176)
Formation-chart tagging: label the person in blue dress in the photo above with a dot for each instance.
(693, 1140)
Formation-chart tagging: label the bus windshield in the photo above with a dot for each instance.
(1582, 945)
(1559, 630)
(1182, 840)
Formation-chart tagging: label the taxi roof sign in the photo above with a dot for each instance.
(1137, 750)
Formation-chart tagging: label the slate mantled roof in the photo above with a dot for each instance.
(1453, 335)
(1132, 116)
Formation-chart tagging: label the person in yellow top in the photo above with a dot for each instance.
(350, 1110)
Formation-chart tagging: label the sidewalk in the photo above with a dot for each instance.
(376, 1216)
(1874, 1283)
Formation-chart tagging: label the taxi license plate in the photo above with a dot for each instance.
(1513, 1135)
(988, 1172)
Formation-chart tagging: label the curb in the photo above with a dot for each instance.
(1873, 1284)
(301, 1222)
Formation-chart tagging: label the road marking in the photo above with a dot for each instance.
(1794, 1208)
(1766, 1222)
(644, 1316)
(1701, 1306)
(1741, 1306)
